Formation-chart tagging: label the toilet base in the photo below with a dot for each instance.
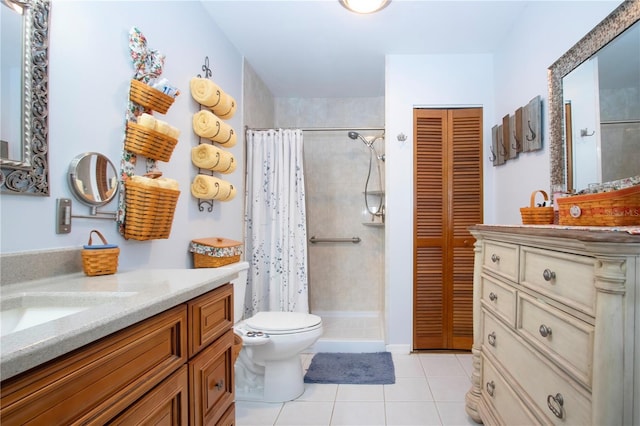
(282, 381)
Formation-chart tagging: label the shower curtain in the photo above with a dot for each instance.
(275, 220)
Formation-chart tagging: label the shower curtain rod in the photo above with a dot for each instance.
(321, 129)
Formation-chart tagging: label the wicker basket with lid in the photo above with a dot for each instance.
(214, 252)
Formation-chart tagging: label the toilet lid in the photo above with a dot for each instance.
(274, 322)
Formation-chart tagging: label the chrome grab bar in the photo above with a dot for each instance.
(354, 240)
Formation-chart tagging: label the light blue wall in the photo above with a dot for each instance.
(89, 71)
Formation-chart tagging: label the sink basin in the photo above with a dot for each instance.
(27, 310)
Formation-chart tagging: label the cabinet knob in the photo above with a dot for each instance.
(491, 338)
(493, 297)
(556, 405)
(548, 275)
(544, 330)
(220, 385)
(495, 258)
(491, 387)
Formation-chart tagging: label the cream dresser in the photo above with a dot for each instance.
(556, 326)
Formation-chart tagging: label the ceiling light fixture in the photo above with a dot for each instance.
(364, 6)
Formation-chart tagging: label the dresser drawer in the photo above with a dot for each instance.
(501, 258)
(499, 298)
(211, 381)
(565, 277)
(548, 388)
(564, 338)
(497, 393)
(210, 316)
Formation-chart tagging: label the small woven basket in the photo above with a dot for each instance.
(149, 143)
(150, 98)
(149, 211)
(98, 260)
(613, 208)
(533, 215)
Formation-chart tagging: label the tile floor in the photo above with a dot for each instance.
(429, 390)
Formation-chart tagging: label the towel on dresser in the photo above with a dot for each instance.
(209, 157)
(212, 188)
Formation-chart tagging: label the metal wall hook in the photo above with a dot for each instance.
(585, 132)
(493, 155)
(518, 145)
(503, 149)
(533, 134)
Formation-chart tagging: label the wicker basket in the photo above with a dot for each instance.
(150, 98)
(215, 252)
(533, 215)
(613, 208)
(149, 143)
(150, 210)
(100, 260)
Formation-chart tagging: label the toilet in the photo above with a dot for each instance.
(269, 366)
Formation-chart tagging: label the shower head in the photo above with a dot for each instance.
(355, 135)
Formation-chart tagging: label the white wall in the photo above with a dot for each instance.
(422, 81)
(89, 71)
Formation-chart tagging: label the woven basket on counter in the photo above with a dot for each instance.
(215, 252)
(534, 215)
(149, 211)
(150, 98)
(99, 259)
(149, 143)
(613, 208)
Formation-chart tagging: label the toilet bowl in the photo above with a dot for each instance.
(269, 366)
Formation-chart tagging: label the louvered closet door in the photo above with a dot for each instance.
(447, 200)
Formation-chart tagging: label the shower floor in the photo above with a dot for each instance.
(350, 332)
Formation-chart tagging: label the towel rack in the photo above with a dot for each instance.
(354, 240)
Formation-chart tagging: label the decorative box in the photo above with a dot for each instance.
(612, 208)
(214, 252)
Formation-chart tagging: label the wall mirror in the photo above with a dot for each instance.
(588, 62)
(24, 90)
(93, 179)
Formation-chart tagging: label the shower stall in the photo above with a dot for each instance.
(344, 185)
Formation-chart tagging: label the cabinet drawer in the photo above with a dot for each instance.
(212, 388)
(546, 385)
(496, 392)
(167, 403)
(210, 316)
(499, 298)
(565, 277)
(229, 417)
(101, 379)
(564, 338)
(501, 258)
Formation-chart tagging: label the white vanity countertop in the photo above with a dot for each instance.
(139, 295)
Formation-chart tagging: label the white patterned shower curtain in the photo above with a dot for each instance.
(275, 220)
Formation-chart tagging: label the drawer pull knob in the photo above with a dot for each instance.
(548, 275)
(491, 386)
(493, 297)
(495, 258)
(491, 338)
(555, 404)
(220, 385)
(544, 330)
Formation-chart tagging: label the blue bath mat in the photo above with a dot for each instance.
(351, 368)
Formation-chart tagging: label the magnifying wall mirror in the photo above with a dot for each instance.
(93, 179)
(24, 96)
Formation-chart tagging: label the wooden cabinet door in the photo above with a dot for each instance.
(447, 200)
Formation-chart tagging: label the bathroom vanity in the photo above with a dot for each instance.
(556, 326)
(140, 346)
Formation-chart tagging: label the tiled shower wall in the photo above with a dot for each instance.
(343, 277)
